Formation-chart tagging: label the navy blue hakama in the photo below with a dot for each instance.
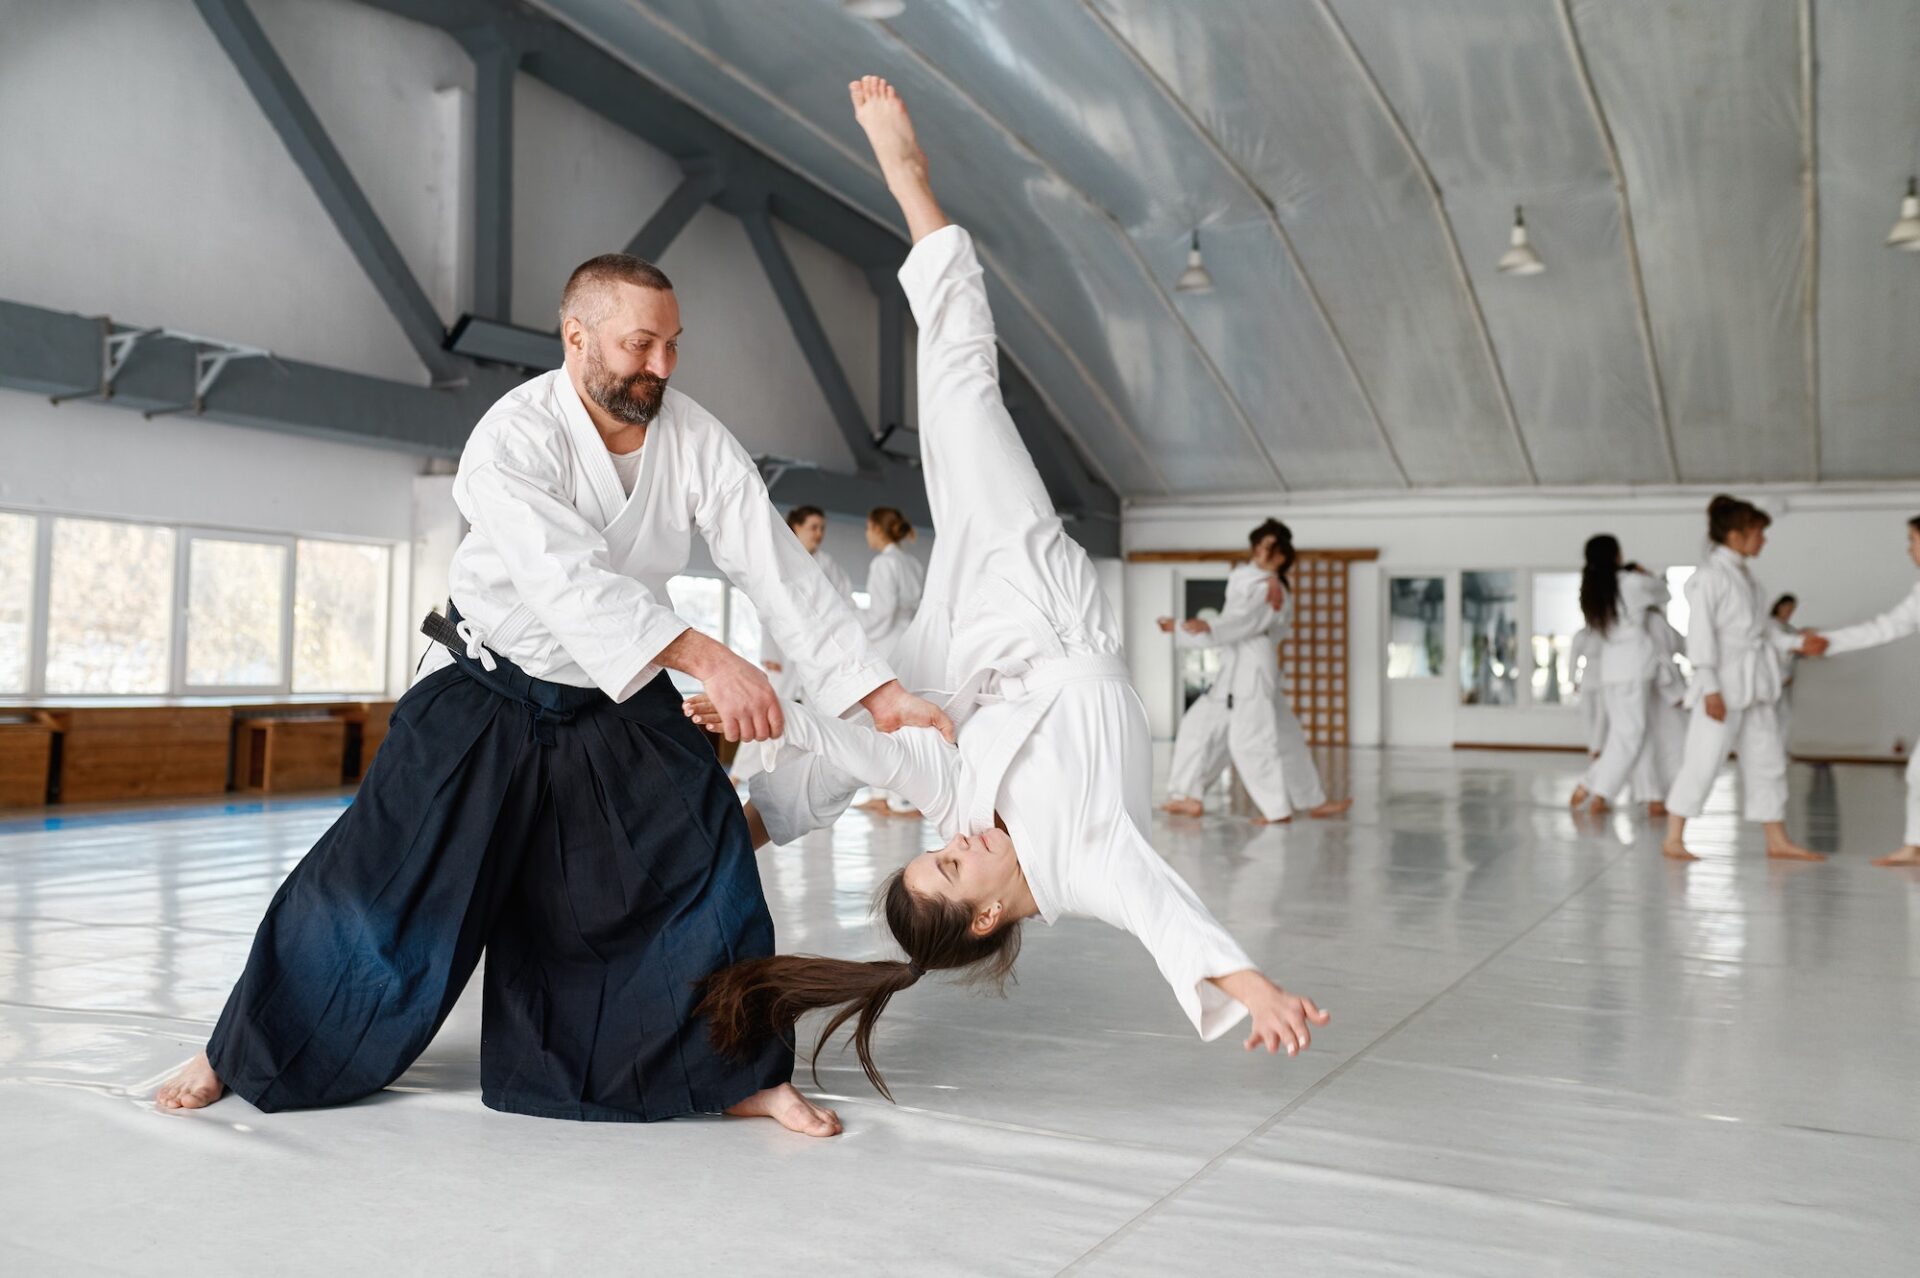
(595, 850)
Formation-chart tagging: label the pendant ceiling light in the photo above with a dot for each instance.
(878, 10)
(1520, 259)
(1906, 231)
(1195, 279)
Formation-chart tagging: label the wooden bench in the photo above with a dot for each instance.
(142, 752)
(274, 754)
(26, 759)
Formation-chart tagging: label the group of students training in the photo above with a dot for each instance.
(545, 797)
(1664, 735)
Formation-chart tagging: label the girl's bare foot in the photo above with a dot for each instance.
(1267, 820)
(1183, 807)
(1674, 850)
(1908, 855)
(1331, 808)
(903, 164)
(1656, 809)
(1782, 848)
(193, 1086)
(786, 1106)
(1580, 797)
(1597, 806)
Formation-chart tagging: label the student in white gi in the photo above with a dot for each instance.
(533, 777)
(809, 525)
(895, 579)
(1244, 715)
(1780, 619)
(1615, 602)
(1899, 622)
(1735, 691)
(1047, 798)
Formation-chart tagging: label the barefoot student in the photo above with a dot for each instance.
(895, 580)
(1736, 686)
(1615, 601)
(1244, 715)
(1046, 799)
(1901, 621)
(540, 796)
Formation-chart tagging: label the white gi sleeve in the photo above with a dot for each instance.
(1133, 888)
(807, 618)
(1245, 615)
(1898, 622)
(815, 767)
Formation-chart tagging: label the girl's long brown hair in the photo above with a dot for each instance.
(746, 1003)
(893, 525)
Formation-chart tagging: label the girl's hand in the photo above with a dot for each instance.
(1283, 1020)
(1716, 707)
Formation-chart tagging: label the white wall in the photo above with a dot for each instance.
(1841, 551)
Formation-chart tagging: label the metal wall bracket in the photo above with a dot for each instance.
(116, 348)
(210, 359)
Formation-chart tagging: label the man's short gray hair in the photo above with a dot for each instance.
(592, 277)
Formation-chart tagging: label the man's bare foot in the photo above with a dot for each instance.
(1674, 850)
(193, 1086)
(1908, 855)
(786, 1106)
(1792, 852)
(1331, 808)
(1580, 797)
(1183, 807)
(1655, 808)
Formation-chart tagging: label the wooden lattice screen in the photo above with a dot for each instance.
(1315, 654)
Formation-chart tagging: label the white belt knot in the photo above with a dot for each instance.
(476, 650)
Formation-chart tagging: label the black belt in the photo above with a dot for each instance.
(548, 703)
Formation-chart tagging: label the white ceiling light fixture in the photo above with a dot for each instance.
(877, 10)
(1520, 259)
(1906, 231)
(1196, 278)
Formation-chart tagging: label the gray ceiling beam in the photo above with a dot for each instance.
(496, 61)
(702, 185)
(287, 110)
(812, 336)
(58, 353)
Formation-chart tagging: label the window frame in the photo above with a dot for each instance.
(182, 594)
(39, 622)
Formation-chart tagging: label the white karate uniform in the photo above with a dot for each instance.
(895, 582)
(1666, 719)
(1901, 620)
(1052, 736)
(786, 680)
(565, 574)
(1732, 649)
(1244, 715)
(1626, 671)
(1583, 653)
